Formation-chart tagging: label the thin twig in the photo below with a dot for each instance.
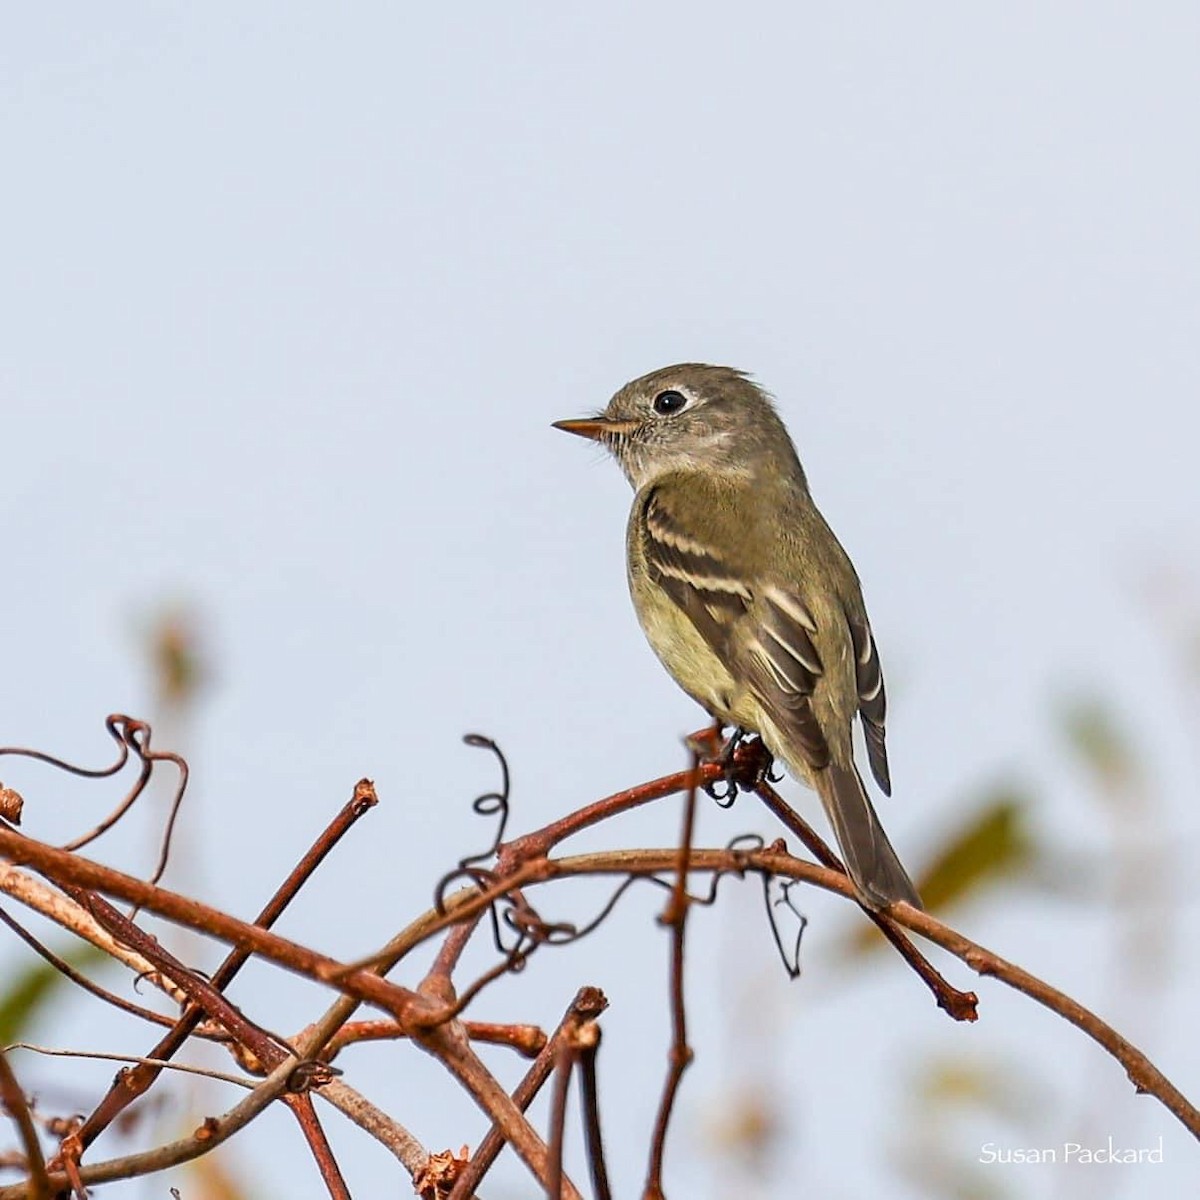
(589, 1043)
(588, 1004)
(558, 1117)
(374, 1121)
(53, 905)
(13, 1099)
(65, 969)
(526, 1040)
(205, 1138)
(449, 1045)
(680, 1055)
(318, 1144)
(129, 1085)
(104, 1056)
(962, 1006)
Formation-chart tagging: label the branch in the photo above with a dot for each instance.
(34, 894)
(68, 869)
(526, 1040)
(449, 1044)
(13, 1099)
(206, 1137)
(129, 1085)
(746, 769)
(589, 1035)
(103, 1056)
(680, 1057)
(960, 1005)
(318, 1144)
(588, 1004)
(65, 969)
(1143, 1074)
(388, 1132)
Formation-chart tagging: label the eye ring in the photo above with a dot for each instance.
(668, 402)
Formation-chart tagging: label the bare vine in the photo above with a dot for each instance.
(494, 887)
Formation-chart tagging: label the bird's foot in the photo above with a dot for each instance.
(744, 760)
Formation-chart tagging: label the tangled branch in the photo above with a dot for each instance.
(496, 888)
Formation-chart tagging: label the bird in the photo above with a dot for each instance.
(747, 597)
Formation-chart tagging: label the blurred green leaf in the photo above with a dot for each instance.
(29, 991)
(995, 844)
(1092, 732)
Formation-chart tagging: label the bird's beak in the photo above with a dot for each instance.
(595, 428)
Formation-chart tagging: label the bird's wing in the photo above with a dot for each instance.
(872, 699)
(763, 634)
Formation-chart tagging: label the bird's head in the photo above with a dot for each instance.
(691, 417)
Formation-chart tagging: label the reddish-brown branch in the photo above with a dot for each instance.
(1144, 1075)
(209, 1001)
(438, 979)
(526, 1040)
(588, 1004)
(747, 767)
(204, 1139)
(680, 1056)
(542, 841)
(589, 1037)
(363, 984)
(567, 1054)
(67, 971)
(318, 1143)
(132, 1083)
(199, 991)
(42, 897)
(522, 863)
(449, 1045)
(13, 1099)
(962, 1006)
(67, 869)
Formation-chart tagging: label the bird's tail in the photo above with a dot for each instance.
(870, 859)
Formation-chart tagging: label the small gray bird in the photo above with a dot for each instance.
(745, 594)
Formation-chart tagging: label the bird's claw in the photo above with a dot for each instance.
(743, 758)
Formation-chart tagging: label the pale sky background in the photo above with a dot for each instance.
(290, 298)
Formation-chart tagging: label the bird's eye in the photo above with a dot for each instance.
(666, 403)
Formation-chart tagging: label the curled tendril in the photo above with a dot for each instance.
(490, 804)
(739, 846)
(790, 960)
(118, 726)
(131, 736)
